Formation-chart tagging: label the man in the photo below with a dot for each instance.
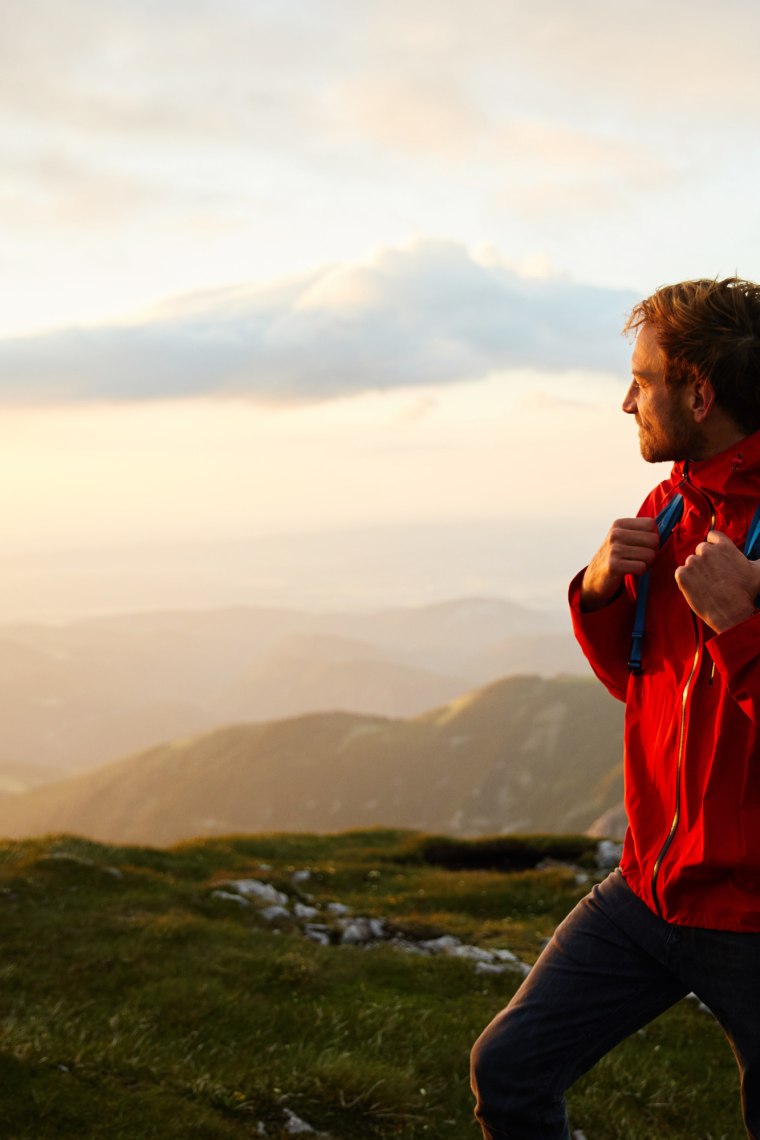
(682, 912)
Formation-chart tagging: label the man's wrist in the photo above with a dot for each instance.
(735, 616)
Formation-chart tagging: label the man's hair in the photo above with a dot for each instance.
(710, 329)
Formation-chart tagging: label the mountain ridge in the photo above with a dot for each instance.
(520, 754)
(77, 695)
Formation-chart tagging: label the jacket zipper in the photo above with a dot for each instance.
(681, 732)
(681, 735)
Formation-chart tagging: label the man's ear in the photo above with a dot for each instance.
(701, 398)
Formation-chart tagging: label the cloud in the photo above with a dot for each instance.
(424, 314)
(408, 75)
(297, 126)
(418, 114)
(205, 69)
(688, 58)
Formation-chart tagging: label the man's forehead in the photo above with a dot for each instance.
(648, 358)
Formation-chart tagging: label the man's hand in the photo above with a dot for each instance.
(629, 548)
(719, 583)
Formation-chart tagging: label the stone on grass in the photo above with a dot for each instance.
(301, 910)
(294, 1125)
(505, 956)
(700, 1004)
(228, 896)
(472, 954)
(358, 931)
(362, 931)
(252, 888)
(443, 945)
(608, 854)
(407, 947)
(317, 933)
(270, 913)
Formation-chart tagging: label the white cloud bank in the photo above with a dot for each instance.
(427, 313)
(147, 149)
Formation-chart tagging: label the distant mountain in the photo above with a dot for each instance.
(545, 653)
(313, 673)
(524, 754)
(78, 695)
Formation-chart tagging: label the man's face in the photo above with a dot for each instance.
(666, 427)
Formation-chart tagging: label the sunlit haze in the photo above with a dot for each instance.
(346, 276)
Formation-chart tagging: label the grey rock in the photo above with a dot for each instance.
(608, 854)
(358, 931)
(270, 913)
(472, 954)
(301, 910)
(252, 888)
(228, 896)
(318, 933)
(443, 945)
(321, 937)
(504, 956)
(337, 909)
(700, 1004)
(294, 1125)
(407, 947)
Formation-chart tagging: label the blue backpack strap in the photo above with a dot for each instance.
(752, 544)
(666, 520)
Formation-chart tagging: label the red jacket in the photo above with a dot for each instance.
(692, 719)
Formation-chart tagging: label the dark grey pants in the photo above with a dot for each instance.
(611, 967)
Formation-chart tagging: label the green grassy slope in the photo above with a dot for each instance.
(135, 1004)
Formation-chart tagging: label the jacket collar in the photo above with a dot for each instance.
(725, 471)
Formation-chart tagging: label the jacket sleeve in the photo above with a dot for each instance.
(605, 636)
(736, 653)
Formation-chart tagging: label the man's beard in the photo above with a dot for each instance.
(676, 439)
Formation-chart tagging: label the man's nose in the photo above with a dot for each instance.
(629, 403)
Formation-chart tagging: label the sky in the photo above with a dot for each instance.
(274, 267)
